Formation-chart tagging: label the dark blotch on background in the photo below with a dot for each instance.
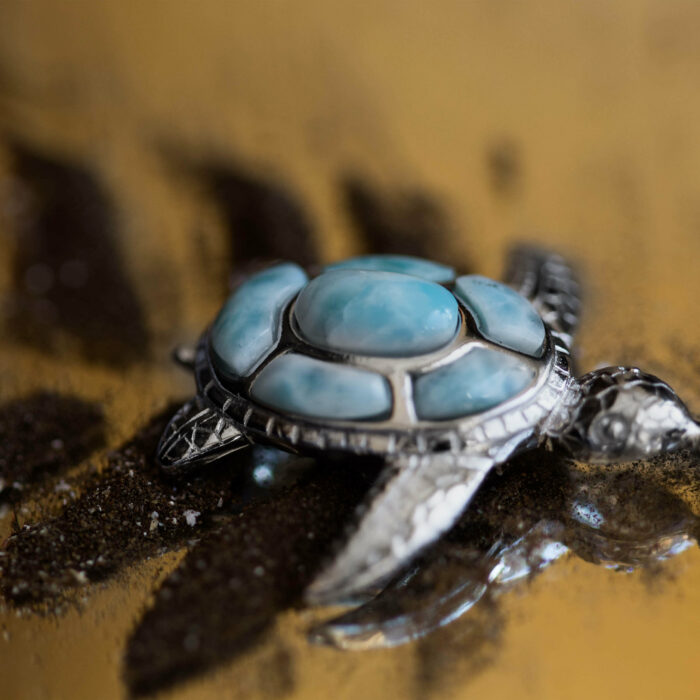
(46, 433)
(232, 584)
(265, 220)
(406, 222)
(503, 167)
(125, 514)
(68, 272)
(458, 653)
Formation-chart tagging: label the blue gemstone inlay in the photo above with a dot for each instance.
(248, 326)
(317, 389)
(502, 315)
(405, 264)
(376, 313)
(479, 380)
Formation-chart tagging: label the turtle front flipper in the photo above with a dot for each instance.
(621, 414)
(549, 282)
(197, 434)
(418, 498)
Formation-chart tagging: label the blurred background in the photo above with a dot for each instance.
(152, 152)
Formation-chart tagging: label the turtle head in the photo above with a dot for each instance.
(624, 414)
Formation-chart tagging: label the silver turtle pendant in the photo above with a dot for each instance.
(444, 377)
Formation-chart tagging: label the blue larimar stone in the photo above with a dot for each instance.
(502, 315)
(376, 313)
(475, 382)
(248, 326)
(405, 264)
(317, 389)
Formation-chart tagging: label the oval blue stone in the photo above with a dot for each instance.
(376, 313)
(502, 315)
(317, 389)
(405, 264)
(248, 326)
(475, 382)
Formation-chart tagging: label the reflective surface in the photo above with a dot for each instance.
(624, 519)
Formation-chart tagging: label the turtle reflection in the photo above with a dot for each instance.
(624, 518)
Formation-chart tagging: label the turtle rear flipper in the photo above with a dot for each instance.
(550, 283)
(197, 434)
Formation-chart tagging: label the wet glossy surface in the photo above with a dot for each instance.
(590, 514)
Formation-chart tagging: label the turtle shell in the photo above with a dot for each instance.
(375, 350)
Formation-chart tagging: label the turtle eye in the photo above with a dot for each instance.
(609, 431)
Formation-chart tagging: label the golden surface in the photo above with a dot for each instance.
(598, 105)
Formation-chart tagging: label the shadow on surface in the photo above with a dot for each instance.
(45, 433)
(68, 271)
(406, 222)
